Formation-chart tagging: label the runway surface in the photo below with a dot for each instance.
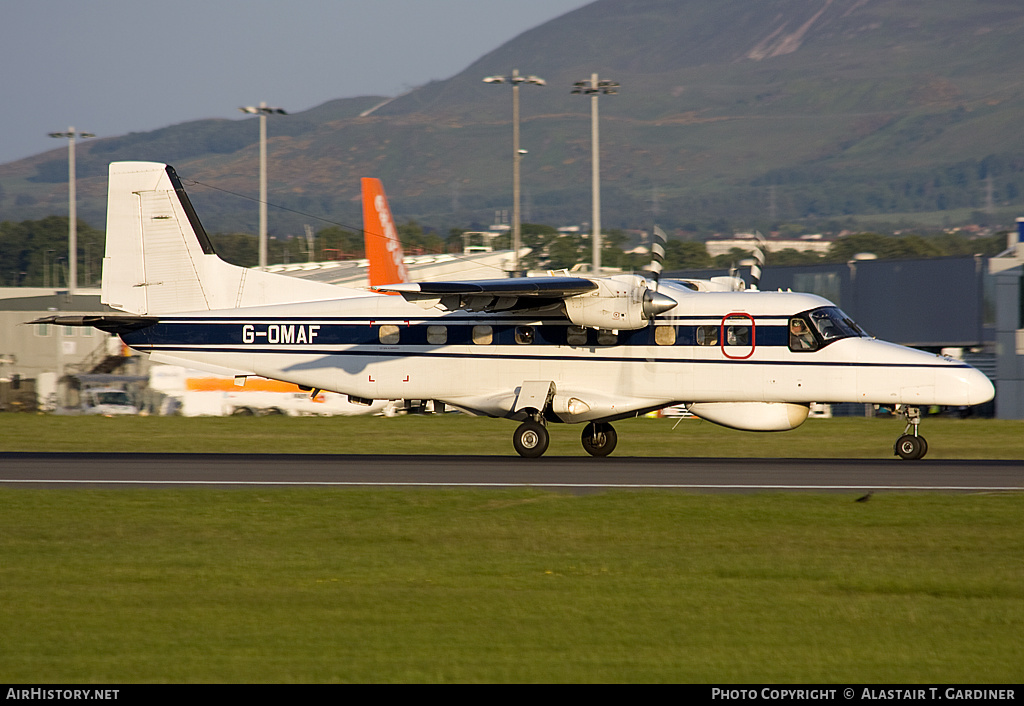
(573, 474)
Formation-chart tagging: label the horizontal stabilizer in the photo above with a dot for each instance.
(111, 323)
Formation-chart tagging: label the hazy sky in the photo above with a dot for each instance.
(111, 67)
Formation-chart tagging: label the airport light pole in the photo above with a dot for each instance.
(263, 110)
(517, 154)
(593, 88)
(71, 134)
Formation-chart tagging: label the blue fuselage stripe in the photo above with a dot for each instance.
(327, 337)
(349, 332)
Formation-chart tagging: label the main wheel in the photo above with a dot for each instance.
(530, 440)
(911, 448)
(599, 438)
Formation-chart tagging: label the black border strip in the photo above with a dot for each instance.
(193, 218)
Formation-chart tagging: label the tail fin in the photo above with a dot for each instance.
(383, 248)
(159, 259)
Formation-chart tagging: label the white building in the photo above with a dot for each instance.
(747, 242)
(1008, 272)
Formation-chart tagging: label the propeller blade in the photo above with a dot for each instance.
(658, 242)
(758, 266)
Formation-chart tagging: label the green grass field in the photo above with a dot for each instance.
(460, 435)
(508, 586)
(318, 585)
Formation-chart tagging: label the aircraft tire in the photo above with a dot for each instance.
(242, 412)
(911, 448)
(531, 440)
(599, 438)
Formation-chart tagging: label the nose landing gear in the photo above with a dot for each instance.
(599, 438)
(911, 446)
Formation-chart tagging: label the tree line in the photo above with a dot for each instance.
(35, 253)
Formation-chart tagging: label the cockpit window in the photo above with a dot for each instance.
(813, 329)
(800, 336)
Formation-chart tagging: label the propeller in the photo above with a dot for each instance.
(654, 302)
(758, 266)
(658, 242)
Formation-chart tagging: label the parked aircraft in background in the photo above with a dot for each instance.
(383, 248)
(537, 350)
(194, 393)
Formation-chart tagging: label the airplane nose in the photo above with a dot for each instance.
(979, 388)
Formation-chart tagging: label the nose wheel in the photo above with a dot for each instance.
(911, 446)
(599, 438)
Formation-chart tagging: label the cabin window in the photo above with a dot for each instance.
(42, 329)
(437, 335)
(707, 335)
(524, 334)
(800, 336)
(737, 335)
(665, 335)
(388, 334)
(737, 338)
(483, 335)
(576, 336)
(607, 338)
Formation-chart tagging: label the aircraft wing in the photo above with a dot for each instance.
(493, 294)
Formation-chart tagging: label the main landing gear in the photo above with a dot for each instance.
(911, 446)
(531, 438)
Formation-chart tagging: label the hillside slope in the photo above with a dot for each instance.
(730, 111)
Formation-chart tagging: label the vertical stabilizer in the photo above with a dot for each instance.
(383, 248)
(152, 253)
(159, 259)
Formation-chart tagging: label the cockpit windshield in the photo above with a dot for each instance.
(832, 323)
(813, 329)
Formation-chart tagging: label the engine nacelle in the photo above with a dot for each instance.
(753, 416)
(622, 302)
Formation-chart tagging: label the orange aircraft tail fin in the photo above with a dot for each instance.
(383, 249)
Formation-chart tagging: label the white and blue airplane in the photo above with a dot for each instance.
(537, 350)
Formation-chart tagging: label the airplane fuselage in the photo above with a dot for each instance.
(711, 348)
(560, 348)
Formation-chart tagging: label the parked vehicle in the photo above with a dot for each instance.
(107, 401)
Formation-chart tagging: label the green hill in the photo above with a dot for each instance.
(731, 113)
